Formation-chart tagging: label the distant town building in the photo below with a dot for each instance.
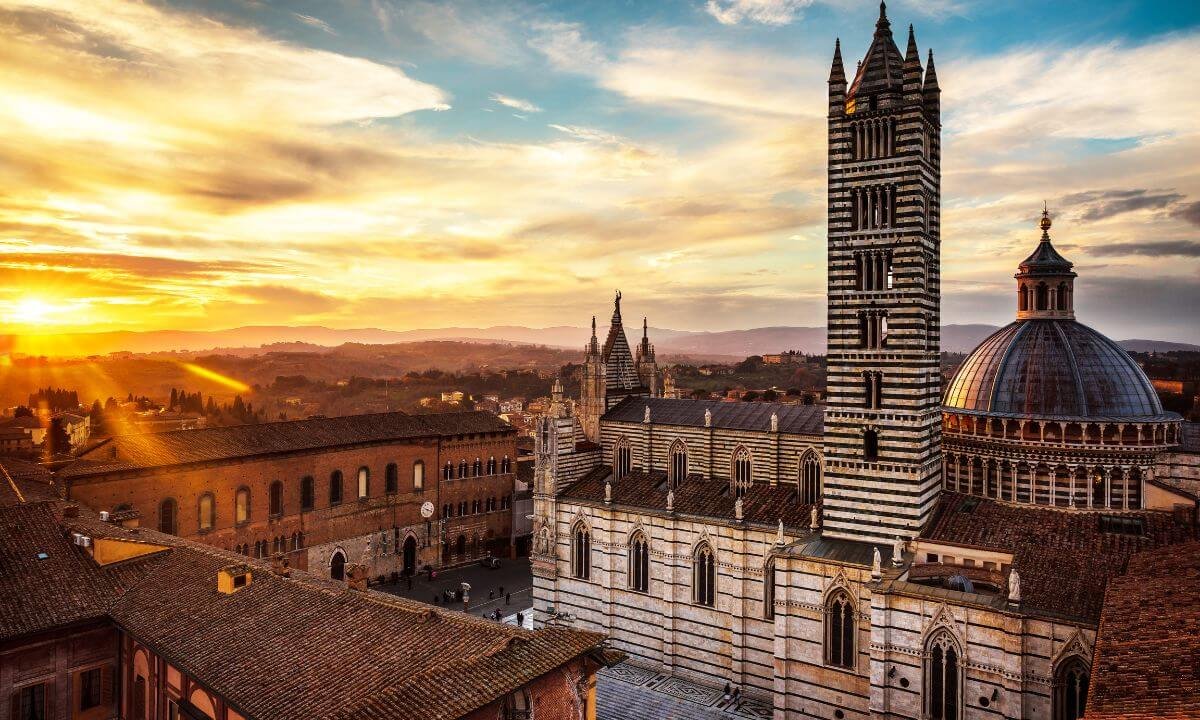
(78, 427)
(453, 396)
(511, 405)
(791, 357)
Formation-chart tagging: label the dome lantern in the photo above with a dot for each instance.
(1045, 281)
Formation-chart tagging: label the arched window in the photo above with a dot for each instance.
(872, 390)
(391, 479)
(581, 553)
(639, 563)
(810, 478)
(1042, 297)
(870, 445)
(769, 590)
(943, 682)
(448, 471)
(166, 516)
(337, 566)
(840, 624)
(364, 482)
(679, 463)
(419, 476)
(241, 506)
(1070, 689)
(276, 497)
(517, 706)
(704, 576)
(477, 467)
(307, 496)
(335, 487)
(505, 465)
(491, 465)
(1023, 298)
(208, 512)
(740, 472)
(622, 458)
(462, 468)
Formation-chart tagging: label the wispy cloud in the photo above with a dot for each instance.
(516, 103)
(767, 12)
(316, 22)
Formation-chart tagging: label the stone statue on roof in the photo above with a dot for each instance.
(1014, 588)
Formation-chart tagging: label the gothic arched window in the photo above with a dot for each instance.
(477, 467)
(769, 590)
(491, 465)
(639, 563)
(391, 479)
(207, 511)
(462, 468)
(505, 465)
(448, 471)
(622, 458)
(810, 478)
(275, 496)
(840, 625)
(307, 496)
(943, 679)
(581, 552)
(870, 445)
(335, 487)
(740, 471)
(517, 706)
(1070, 689)
(241, 506)
(704, 576)
(679, 463)
(419, 476)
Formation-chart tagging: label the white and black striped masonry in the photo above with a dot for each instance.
(883, 420)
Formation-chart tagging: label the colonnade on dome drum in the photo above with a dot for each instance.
(1080, 464)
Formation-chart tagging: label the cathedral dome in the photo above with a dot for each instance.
(1052, 369)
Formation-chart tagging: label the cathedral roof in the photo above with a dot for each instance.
(1064, 557)
(763, 503)
(1147, 657)
(752, 416)
(616, 354)
(1045, 259)
(1053, 369)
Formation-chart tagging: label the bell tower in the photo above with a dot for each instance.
(883, 416)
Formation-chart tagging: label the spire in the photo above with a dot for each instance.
(645, 329)
(837, 74)
(912, 54)
(593, 347)
(1045, 280)
(931, 81)
(616, 318)
(912, 69)
(1045, 223)
(883, 23)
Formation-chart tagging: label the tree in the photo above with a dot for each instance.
(770, 396)
(174, 399)
(57, 441)
(750, 396)
(22, 411)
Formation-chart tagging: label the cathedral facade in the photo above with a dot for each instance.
(831, 561)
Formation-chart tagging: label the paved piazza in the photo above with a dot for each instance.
(629, 692)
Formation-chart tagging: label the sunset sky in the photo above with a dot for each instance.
(380, 163)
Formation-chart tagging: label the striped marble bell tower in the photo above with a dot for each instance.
(883, 419)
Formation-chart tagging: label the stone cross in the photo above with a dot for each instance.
(876, 566)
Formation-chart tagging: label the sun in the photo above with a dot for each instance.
(31, 311)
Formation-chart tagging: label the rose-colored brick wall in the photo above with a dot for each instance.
(568, 693)
(144, 491)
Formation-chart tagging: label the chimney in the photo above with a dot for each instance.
(232, 578)
(280, 565)
(104, 516)
(356, 576)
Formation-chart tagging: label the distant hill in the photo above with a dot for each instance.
(252, 340)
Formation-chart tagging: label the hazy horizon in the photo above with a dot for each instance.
(414, 165)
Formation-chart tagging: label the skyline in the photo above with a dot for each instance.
(415, 165)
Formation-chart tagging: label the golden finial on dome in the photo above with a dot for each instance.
(1045, 224)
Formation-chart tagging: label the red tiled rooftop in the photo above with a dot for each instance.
(1147, 657)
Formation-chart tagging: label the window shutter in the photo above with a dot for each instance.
(106, 685)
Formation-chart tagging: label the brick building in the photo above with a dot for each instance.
(104, 621)
(391, 491)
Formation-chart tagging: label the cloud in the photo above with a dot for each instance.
(767, 12)
(316, 22)
(1100, 204)
(516, 103)
(1150, 248)
(1189, 212)
(566, 47)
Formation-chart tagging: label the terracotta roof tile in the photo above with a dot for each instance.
(1147, 657)
(181, 447)
(1063, 557)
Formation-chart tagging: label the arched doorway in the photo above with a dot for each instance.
(410, 555)
(337, 566)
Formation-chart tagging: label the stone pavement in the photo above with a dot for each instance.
(515, 576)
(630, 692)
